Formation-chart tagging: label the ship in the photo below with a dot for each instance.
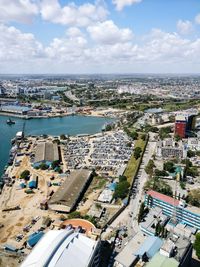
(10, 122)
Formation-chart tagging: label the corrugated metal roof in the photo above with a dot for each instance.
(150, 246)
(161, 261)
(164, 198)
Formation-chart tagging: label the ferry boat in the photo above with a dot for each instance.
(10, 122)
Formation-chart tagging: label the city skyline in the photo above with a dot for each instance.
(119, 36)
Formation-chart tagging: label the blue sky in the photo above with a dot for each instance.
(114, 36)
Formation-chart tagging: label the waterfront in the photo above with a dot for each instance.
(71, 125)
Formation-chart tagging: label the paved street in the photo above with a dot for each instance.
(129, 216)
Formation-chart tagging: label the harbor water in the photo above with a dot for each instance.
(70, 125)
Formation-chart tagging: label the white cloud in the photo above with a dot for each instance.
(184, 26)
(15, 45)
(120, 4)
(197, 19)
(17, 10)
(108, 33)
(72, 14)
(75, 53)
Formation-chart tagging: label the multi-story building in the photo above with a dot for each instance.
(185, 214)
(184, 124)
(169, 148)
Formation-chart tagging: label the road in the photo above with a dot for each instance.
(129, 216)
(140, 180)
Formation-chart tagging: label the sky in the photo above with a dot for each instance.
(102, 36)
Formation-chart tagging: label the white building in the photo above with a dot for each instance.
(193, 143)
(64, 248)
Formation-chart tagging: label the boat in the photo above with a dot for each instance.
(9, 121)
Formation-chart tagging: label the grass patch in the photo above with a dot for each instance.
(98, 182)
(134, 163)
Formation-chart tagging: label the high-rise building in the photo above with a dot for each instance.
(184, 124)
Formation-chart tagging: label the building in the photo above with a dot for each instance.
(193, 143)
(15, 109)
(46, 152)
(188, 215)
(169, 148)
(151, 220)
(184, 124)
(138, 250)
(176, 251)
(71, 191)
(60, 248)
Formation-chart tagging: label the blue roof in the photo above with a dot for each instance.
(32, 184)
(9, 247)
(34, 238)
(112, 186)
(150, 246)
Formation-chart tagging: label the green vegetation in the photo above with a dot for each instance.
(149, 167)
(55, 164)
(190, 170)
(193, 197)
(169, 166)
(43, 166)
(158, 185)
(161, 173)
(143, 210)
(63, 137)
(74, 214)
(182, 184)
(191, 154)
(137, 152)
(25, 175)
(197, 245)
(133, 163)
(164, 132)
(122, 188)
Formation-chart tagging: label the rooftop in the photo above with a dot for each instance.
(162, 261)
(163, 198)
(60, 246)
(70, 190)
(46, 151)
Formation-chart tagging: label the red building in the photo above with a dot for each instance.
(184, 124)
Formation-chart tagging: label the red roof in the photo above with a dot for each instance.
(164, 198)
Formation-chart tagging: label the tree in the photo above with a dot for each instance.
(137, 152)
(74, 214)
(121, 190)
(193, 197)
(134, 135)
(44, 166)
(143, 137)
(161, 173)
(177, 138)
(55, 164)
(197, 245)
(25, 175)
(149, 167)
(63, 137)
(169, 166)
(191, 154)
(141, 212)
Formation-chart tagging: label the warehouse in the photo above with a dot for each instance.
(71, 191)
(46, 152)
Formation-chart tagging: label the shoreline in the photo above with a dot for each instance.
(25, 117)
